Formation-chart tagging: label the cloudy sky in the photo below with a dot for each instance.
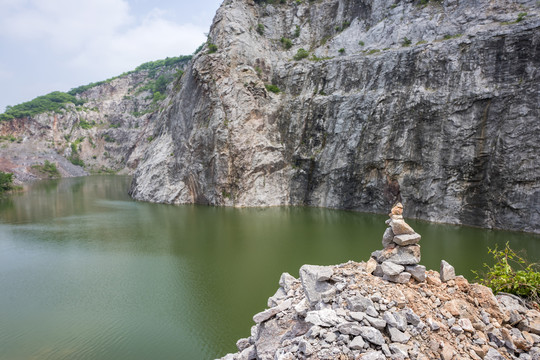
(49, 45)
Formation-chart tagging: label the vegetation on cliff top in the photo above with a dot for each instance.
(57, 100)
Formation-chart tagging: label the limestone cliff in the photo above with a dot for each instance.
(108, 133)
(432, 102)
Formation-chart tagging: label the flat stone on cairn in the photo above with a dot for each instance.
(399, 259)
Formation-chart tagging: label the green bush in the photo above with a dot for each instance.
(83, 124)
(48, 169)
(511, 274)
(53, 102)
(361, 43)
(297, 31)
(521, 16)
(286, 42)
(6, 181)
(406, 42)
(301, 54)
(260, 29)
(272, 88)
(341, 51)
(212, 48)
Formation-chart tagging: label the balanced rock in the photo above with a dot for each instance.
(402, 255)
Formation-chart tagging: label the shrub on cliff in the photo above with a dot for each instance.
(512, 274)
(301, 54)
(53, 102)
(6, 181)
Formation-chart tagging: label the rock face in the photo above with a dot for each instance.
(434, 103)
(370, 318)
(109, 133)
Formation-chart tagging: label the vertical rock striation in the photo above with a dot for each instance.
(435, 103)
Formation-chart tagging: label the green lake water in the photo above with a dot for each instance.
(87, 273)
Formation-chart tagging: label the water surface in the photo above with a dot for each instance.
(87, 273)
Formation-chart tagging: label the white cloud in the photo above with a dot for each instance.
(97, 33)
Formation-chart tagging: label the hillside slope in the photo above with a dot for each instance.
(105, 129)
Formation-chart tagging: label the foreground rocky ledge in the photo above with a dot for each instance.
(344, 312)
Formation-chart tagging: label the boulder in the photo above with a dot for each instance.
(372, 335)
(402, 278)
(447, 271)
(389, 268)
(402, 255)
(418, 272)
(407, 239)
(400, 227)
(314, 281)
(388, 237)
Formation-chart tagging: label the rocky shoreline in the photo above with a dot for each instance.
(379, 310)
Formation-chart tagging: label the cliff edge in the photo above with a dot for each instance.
(355, 105)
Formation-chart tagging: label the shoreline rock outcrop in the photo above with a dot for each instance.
(382, 309)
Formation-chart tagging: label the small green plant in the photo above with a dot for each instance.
(272, 88)
(448, 36)
(511, 273)
(301, 54)
(361, 43)
(286, 42)
(521, 16)
(406, 42)
(212, 48)
(393, 6)
(150, 138)
(48, 169)
(341, 51)
(260, 29)
(6, 181)
(297, 31)
(83, 124)
(421, 42)
(373, 51)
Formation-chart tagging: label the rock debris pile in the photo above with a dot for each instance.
(345, 312)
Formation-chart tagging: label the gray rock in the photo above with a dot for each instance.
(324, 318)
(277, 297)
(433, 325)
(359, 303)
(242, 344)
(402, 255)
(314, 281)
(388, 237)
(357, 343)
(411, 317)
(402, 278)
(350, 328)
(357, 315)
(373, 355)
(372, 335)
(493, 354)
(391, 269)
(400, 227)
(286, 281)
(305, 347)
(407, 239)
(400, 349)
(398, 336)
(418, 272)
(250, 353)
(268, 313)
(371, 311)
(377, 323)
(330, 337)
(447, 271)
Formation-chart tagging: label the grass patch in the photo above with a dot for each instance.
(301, 54)
(48, 169)
(272, 88)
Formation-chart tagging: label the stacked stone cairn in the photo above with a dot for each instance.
(399, 259)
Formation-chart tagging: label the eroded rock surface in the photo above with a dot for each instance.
(436, 104)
